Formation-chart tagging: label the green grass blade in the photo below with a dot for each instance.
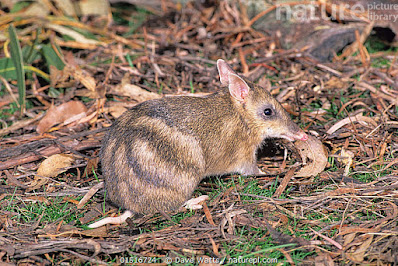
(52, 57)
(30, 53)
(16, 56)
(7, 68)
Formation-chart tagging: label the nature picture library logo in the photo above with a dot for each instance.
(342, 11)
(390, 9)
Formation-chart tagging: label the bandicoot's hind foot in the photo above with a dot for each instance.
(112, 220)
(192, 204)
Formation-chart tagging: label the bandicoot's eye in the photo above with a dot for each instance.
(268, 111)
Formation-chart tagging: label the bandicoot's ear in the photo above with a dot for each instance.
(238, 88)
(224, 70)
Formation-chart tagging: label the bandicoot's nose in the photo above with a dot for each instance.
(301, 136)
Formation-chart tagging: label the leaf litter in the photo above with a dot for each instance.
(340, 190)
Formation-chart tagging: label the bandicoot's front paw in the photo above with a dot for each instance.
(194, 204)
(253, 171)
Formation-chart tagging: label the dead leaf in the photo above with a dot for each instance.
(283, 219)
(359, 254)
(346, 158)
(54, 165)
(38, 198)
(83, 77)
(317, 154)
(349, 238)
(37, 182)
(335, 82)
(208, 214)
(133, 91)
(284, 183)
(94, 7)
(267, 206)
(70, 73)
(60, 78)
(358, 229)
(75, 118)
(89, 194)
(59, 114)
(73, 201)
(117, 110)
(92, 164)
(324, 259)
(359, 118)
(215, 246)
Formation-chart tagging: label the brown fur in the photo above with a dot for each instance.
(155, 154)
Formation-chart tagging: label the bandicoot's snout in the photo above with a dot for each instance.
(301, 136)
(298, 135)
